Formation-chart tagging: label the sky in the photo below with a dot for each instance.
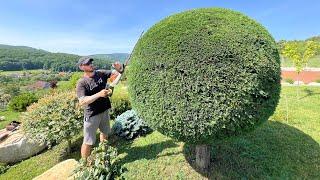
(86, 27)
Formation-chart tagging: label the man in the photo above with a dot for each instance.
(93, 95)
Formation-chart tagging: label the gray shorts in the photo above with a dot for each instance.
(91, 125)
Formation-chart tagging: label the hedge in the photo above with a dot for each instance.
(54, 118)
(205, 74)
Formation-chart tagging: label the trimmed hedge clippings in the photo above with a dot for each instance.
(205, 74)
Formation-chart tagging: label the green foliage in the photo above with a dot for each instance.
(9, 116)
(300, 52)
(112, 57)
(119, 101)
(102, 164)
(129, 126)
(4, 100)
(71, 84)
(74, 78)
(21, 102)
(318, 81)
(50, 76)
(12, 89)
(314, 38)
(279, 149)
(56, 117)
(4, 168)
(205, 74)
(20, 58)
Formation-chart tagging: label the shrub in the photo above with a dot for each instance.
(74, 78)
(288, 80)
(4, 100)
(56, 117)
(129, 126)
(102, 164)
(12, 89)
(205, 74)
(71, 84)
(119, 101)
(22, 101)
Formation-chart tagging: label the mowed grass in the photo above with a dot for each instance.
(34, 71)
(285, 147)
(9, 116)
(280, 149)
(313, 62)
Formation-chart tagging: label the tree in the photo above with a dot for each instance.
(204, 75)
(300, 52)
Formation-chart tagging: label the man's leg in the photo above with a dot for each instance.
(104, 126)
(90, 127)
(103, 137)
(85, 151)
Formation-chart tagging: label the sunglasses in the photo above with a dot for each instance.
(89, 63)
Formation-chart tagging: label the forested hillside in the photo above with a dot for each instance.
(114, 56)
(14, 58)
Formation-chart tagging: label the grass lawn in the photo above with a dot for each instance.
(9, 116)
(34, 71)
(282, 148)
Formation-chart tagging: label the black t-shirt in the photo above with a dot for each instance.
(89, 86)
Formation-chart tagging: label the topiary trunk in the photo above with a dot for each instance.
(68, 150)
(203, 157)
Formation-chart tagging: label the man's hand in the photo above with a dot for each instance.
(104, 92)
(118, 66)
(90, 99)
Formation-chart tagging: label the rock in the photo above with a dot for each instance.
(18, 147)
(63, 170)
(2, 118)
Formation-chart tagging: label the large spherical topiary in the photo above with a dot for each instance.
(205, 74)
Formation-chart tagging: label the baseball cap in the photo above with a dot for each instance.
(84, 60)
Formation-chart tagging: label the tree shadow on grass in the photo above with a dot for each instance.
(274, 150)
(150, 151)
(308, 93)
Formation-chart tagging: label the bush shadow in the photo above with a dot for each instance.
(274, 150)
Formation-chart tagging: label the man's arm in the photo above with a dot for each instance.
(85, 100)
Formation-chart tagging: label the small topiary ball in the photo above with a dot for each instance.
(205, 74)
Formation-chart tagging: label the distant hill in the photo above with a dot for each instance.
(113, 57)
(314, 38)
(14, 58)
(25, 48)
